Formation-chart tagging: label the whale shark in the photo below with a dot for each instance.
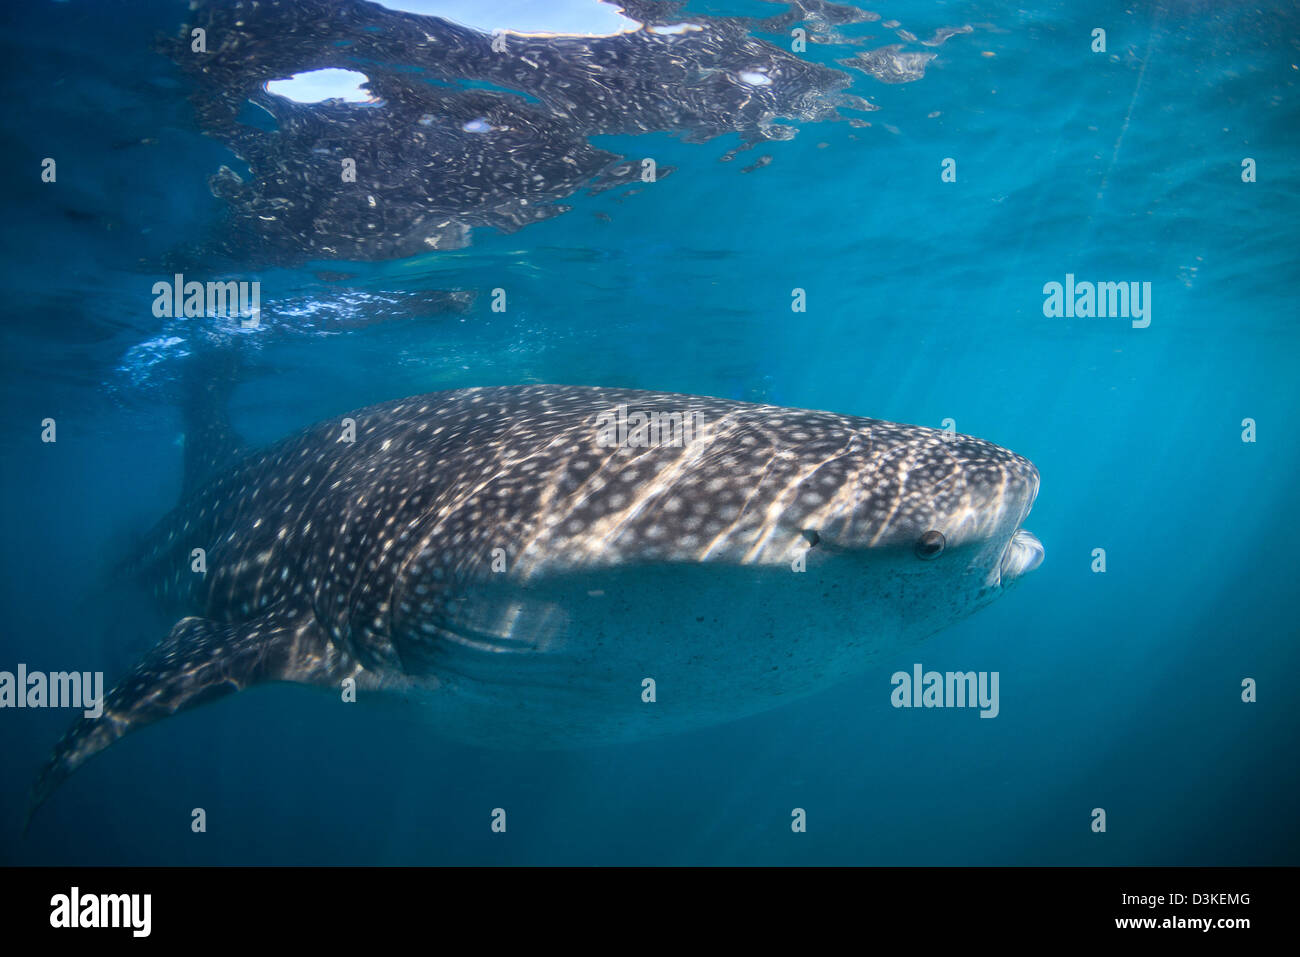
(558, 566)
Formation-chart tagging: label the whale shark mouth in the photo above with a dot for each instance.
(1024, 553)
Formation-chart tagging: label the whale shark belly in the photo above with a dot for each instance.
(629, 653)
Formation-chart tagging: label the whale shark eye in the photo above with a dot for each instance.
(930, 545)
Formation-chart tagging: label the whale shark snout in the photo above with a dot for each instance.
(1012, 500)
(1024, 553)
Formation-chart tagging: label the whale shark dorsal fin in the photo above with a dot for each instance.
(200, 660)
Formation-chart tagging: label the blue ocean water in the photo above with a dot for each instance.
(1120, 690)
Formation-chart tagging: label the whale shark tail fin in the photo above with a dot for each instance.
(200, 660)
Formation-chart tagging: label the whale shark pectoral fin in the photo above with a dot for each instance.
(200, 661)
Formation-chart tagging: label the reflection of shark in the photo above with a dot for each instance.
(488, 551)
(464, 129)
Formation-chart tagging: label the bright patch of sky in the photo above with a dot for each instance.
(591, 18)
(317, 86)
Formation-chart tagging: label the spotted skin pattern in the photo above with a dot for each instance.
(456, 544)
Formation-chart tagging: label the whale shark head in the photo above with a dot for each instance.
(770, 488)
(942, 512)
